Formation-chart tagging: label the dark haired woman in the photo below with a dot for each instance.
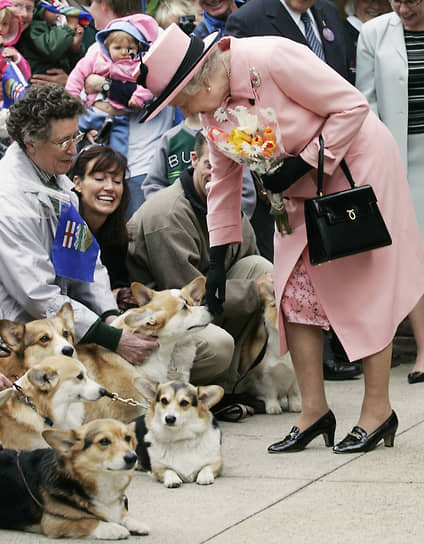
(98, 173)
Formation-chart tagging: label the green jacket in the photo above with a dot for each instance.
(47, 46)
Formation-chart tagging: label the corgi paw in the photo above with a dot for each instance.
(110, 531)
(205, 476)
(171, 479)
(135, 527)
(272, 406)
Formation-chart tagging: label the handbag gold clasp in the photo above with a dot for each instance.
(351, 213)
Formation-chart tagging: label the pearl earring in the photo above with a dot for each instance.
(208, 89)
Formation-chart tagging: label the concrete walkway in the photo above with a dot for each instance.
(312, 496)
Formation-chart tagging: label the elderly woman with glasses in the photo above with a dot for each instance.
(48, 254)
(390, 73)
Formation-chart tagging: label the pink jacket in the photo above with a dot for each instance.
(99, 63)
(365, 296)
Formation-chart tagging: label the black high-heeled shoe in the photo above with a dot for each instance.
(358, 440)
(297, 441)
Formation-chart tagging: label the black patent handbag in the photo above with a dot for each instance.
(343, 223)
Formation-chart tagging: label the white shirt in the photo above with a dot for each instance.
(296, 18)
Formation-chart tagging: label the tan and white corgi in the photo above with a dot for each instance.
(169, 315)
(74, 490)
(273, 380)
(179, 439)
(50, 394)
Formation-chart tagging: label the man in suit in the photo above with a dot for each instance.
(283, 18)
(286, 18)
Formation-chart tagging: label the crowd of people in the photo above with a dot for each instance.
(120, 118)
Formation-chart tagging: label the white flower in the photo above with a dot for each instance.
(269, 114)
(251, 150)
(220, 115)
(246, 121)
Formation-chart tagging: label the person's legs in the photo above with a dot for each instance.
(305, 346)
(416, 318)
(376, 403)
(377, 420)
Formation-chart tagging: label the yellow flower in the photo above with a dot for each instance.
(269, 134)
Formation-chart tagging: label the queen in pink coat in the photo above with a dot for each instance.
(251, 83)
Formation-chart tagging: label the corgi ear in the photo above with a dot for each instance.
(5, 395)
(210, 394)
(66, 313)
(140, 322)
(194, 291)
(142, 294)
(61, 441)
(146, 388)
(13, 334)
(43, 378)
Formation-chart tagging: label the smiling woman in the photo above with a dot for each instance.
(98, 173)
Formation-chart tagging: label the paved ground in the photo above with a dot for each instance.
(312, 496)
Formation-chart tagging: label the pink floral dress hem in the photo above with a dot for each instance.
(300, 303)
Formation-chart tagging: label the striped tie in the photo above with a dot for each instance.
(311, 37)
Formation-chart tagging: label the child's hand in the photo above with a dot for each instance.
(76, 42)
(11, 53)
(132, 103)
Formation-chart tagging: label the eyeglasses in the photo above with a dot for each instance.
(407, 3)
(66, 144)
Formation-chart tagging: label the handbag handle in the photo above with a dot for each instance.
(320, 175)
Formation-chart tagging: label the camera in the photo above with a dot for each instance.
(186, 23)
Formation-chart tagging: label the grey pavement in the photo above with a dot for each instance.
(314, 496)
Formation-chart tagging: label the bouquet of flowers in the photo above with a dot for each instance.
(253, 139)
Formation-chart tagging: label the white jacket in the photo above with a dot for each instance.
(382, 74)
(29, 287)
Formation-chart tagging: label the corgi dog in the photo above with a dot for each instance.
(170, 315)
(74, 490)
(273, 380)
(29, 344)
(50, 394)
(179, 439)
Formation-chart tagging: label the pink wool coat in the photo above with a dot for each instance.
(364, 296)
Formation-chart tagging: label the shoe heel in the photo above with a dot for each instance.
(389, 440)
(329, 438)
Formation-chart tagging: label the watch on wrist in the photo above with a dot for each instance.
(106, 86)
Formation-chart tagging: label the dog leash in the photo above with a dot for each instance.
(130, 401)
(44, 509)
(234, 411)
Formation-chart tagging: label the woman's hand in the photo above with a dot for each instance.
(93, 83)
(292, 169)
(216, 279)
(52, 75)
(136, 348)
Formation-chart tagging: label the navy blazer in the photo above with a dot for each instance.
(270, 18)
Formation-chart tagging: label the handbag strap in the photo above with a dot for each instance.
(320, 175)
